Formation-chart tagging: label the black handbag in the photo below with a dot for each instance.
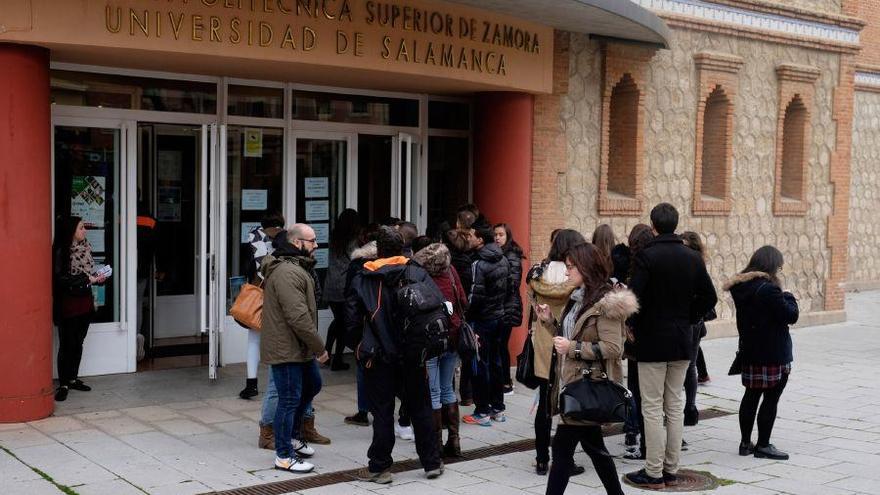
(468, 344)
(525, 365)
(597, 401)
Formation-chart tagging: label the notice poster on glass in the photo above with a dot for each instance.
(253, 143)
(322, 232)
(96, 239)
(246, 229)
(317, 187)
(87, 199)
(322, 258)
(170, 165)
(254, 199)
(317, 210)
(169, 208)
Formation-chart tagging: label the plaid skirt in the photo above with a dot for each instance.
(763, 376)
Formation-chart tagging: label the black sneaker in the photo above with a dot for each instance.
(635, 455)
(359, 419)
(670, 479)
(746, 448)
(577, 470)
(770, 452)
(61, 393)
(541, 468)
(79, 385)
(640, 479)
(691, 416)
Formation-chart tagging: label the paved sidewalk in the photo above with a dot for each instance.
(173, 432)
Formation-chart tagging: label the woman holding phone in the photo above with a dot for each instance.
(73, 304)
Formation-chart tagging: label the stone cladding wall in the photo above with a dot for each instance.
(864, 223)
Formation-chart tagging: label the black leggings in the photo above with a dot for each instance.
(748, 408)
(336, 332)
(543, 426)
(564, 444)
(71, 334)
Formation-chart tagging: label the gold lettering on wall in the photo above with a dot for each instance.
(197, 28)
(288, 39)
(108, 22)
(134, 19)
(175, 26)
(266, 34)
(235, 37)
(310, 39)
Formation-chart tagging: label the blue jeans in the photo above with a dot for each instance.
(488, 381)
(296, 386)
(270, 400)
(441, 372)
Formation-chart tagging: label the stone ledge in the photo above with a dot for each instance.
(799, 73)
(719, 62)
(727, 328)
(861, 285)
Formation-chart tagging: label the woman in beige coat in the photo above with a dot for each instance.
(592, 320)
(548, 284)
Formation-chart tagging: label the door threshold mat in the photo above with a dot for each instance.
(327, 479)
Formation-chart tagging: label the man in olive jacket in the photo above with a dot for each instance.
(290, 341)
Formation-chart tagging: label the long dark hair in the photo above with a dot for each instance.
(511, 244)
(65, 228)
(603, 239)
(766, 259)
(639, 237)
(348, 226)
(591, 264)
(565, 240)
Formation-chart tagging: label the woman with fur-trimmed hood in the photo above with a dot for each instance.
(548, 284)
(435, 259)
(591, 329)
(763, 313)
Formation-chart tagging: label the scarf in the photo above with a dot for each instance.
(81, 258)
(571, 317)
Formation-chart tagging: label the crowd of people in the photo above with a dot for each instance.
(430, 318)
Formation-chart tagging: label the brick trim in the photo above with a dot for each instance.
(843, 21)
(717, 74)
(796, 82)
(837, 235)
(622, 62)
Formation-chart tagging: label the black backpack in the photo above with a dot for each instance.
(424, 322)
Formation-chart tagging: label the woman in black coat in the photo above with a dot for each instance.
(73, 304)
(763, 313)
(513, 306)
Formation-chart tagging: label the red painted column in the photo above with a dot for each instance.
(503, 170)
(25, 229)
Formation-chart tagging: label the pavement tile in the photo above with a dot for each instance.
(152, 413)
(188, 487)
(209, 415)
(182, 427)
(120, 425)
(111, 487)
(23, 436)
(800, 487)
(30, 487)
(64, 465)
(856, 484)
(14, 471)
(58, 424)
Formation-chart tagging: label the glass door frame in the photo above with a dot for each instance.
(290, 172)
(125, 269)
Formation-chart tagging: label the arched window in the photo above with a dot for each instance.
(623, 135)
(716, 149)
(791, 174)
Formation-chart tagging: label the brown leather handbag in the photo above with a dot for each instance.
(247, 309)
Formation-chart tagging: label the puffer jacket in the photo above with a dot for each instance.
(435, 259)
(763, 314)
(462, 257)
(603, 324)
(290, 313)
(337, 269)
(513, 306)
(548, 284)
(490, 272)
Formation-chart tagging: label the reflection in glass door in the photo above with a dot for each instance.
(89, 168)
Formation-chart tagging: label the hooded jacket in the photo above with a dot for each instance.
(370, 306)
(603, 324)
(513, 306)
(763, 314)
(435, 259)
(674, 291)
(290, 314)
(490, 272)
(462, 257)
(548, 284)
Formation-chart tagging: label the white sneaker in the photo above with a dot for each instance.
(294, 465)
(303, 448)
(404, 432)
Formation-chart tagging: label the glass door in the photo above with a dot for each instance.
(90, 159)
(407, 176)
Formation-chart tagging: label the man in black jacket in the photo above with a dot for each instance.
(371, 307)
(490, 272)
(674, 292)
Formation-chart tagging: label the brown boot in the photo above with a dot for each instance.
(310, 433)
(437, 421)
(267, 437)
(453, 445)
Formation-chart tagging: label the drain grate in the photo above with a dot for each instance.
(321, 480)
(690, 481)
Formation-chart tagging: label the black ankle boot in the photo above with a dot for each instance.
(691, 416)
(770, 452)
(250, 389)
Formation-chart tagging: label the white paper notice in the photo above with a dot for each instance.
(254, 199)
(96, 239)
(322, 232)
(253, 143)
(246, 229)
(317, 210)
(317, 187)
(322, 256)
